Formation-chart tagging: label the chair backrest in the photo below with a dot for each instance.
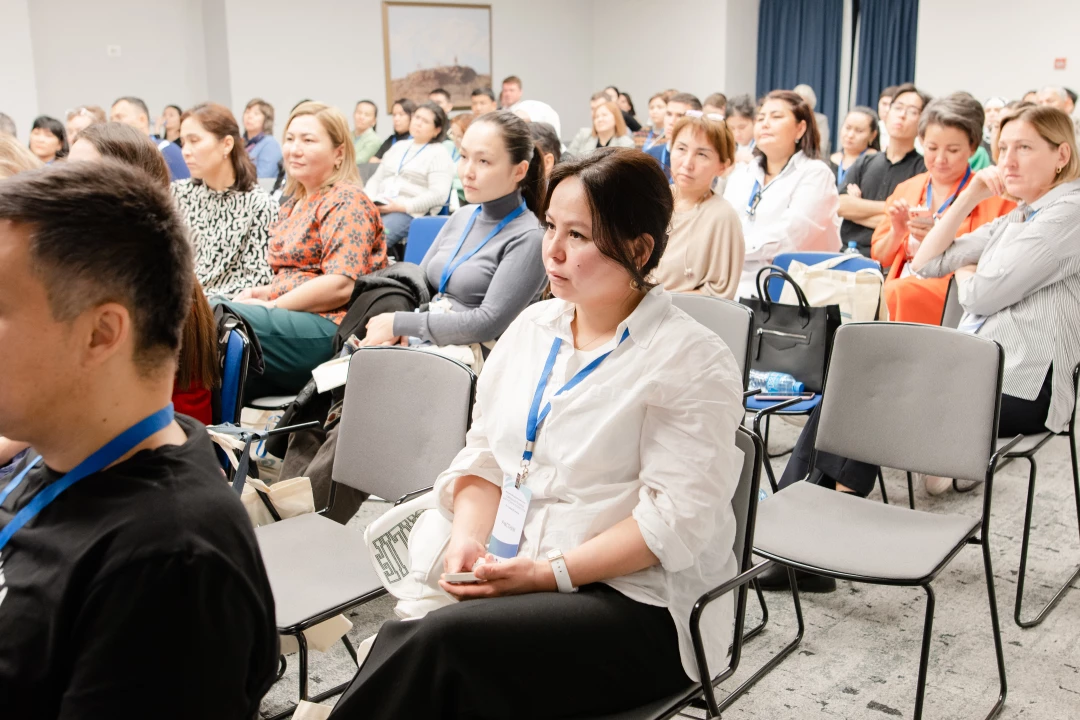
(366, 170)
(404, 420)
(954, 311)
(422, 232)
(233, 375)
(267, 184)
(784, 260)
(744, 502)
(912, 397)
(732, 321)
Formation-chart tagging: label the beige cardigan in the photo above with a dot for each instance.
(705, 250)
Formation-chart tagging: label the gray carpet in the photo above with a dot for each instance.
(860, 655)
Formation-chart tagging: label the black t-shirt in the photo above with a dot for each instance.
(389, 143)
(877, 178)
(139, 592)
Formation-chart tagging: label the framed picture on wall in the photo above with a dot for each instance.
(432, 45)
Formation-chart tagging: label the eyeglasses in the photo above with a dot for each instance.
(711, 116)
(906, 110)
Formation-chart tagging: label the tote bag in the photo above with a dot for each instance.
(859, 293)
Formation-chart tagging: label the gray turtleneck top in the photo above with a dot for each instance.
(491, 288)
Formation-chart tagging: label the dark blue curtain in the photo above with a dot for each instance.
(886, 46)
(799, 41)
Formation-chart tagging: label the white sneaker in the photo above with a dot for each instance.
(935, 485)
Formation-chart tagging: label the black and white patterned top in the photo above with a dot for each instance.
(230, 230)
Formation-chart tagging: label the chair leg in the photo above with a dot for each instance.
(924, 657)
(1024, 546)
(995, 624)
(764, 614)
(779, 657)
(302, 654)
(910, 491)
(282, 664)
(881, 484)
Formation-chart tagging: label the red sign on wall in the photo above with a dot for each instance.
(1059, 63)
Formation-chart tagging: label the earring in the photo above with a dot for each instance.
(1058, 172)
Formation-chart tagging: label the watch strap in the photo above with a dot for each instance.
(562, 575)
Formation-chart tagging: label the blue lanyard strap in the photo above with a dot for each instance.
(951, 198)
(536, 415)
(755, 198)
(451, 265)
(405, 157)
(102, 458)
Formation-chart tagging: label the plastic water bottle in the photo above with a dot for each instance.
(852, 248)
(775, 382)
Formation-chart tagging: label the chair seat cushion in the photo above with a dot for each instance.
(314, 565)
(843, 534)
(1029, 443)
(799, 408)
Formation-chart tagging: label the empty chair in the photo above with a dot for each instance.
(730, 320)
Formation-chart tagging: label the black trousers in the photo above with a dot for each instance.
(1018, 417)
(545, 655)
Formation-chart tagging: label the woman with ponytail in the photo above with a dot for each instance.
(485, 266)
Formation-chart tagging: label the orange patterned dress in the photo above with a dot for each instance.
(336, 231)
(913, 299)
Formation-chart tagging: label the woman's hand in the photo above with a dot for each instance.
(898, 216)
(391, 207)
(516, 576)
(380, 331)
(256, 293)
(986, 183)
(462, 554)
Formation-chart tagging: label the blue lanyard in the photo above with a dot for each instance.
(665, 159)
(841, 171)
(102, 458)
(949, 201)
(537, 416)
(755, 198)
(405, 157)
(451, 266)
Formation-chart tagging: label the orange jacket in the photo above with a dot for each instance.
(891, 251)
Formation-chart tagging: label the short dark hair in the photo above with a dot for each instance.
(441, 123)
(483, 91)
(717, 100)
(1071, 93)
(887, 92)
(105, 231)
(514, 79)
(629, 197)
(741, 106)
(910, 88)
(810, 142)
(137, 102)
(546, 139)
(124, 143)
(686, 99)
(440, 91)
(960, 111)
(407, 105)
(51, 124)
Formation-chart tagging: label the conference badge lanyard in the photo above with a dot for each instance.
(102, 458)
(391, 186)
(454, 262)
(758, 191)
(949, 201)
(516, 496)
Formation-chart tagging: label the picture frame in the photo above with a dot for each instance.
(430, 45)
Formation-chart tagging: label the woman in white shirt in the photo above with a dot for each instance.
(415, 176)
(627, 485)
(787, 198)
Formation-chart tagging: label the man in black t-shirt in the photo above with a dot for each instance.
(137, 590)
(873, 177)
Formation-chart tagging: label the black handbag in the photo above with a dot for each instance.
(793, 339)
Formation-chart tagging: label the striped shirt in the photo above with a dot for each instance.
(1028, 288)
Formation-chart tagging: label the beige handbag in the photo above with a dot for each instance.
(859, 294)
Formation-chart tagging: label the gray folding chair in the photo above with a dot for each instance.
(743, 504)
(730, 320)
(940, 417)
(404, 420)
(1026, 450)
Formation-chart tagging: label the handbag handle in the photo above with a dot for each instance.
(774, 271)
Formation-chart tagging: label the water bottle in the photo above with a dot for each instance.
(852, 248)
(775, 382)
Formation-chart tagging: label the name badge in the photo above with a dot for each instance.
(440, 306)
(509, 520)
(391, 187)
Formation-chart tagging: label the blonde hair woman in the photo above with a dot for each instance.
(15, 157)
(705, 242)
(608, 130)
(328, 234)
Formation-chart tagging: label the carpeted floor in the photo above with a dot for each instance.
(860, 654)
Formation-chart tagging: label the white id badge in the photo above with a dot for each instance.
(440, 306)
(391, 187)
(509, 520)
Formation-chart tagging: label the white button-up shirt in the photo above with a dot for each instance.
(797, 213)
(649, 434)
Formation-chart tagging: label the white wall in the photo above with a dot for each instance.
(547, 44)
(996, 47)
(19, 97)
(162, 53)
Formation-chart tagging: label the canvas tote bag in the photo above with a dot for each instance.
(859, 294)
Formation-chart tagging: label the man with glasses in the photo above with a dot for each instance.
(873, 177)
(677, 107)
